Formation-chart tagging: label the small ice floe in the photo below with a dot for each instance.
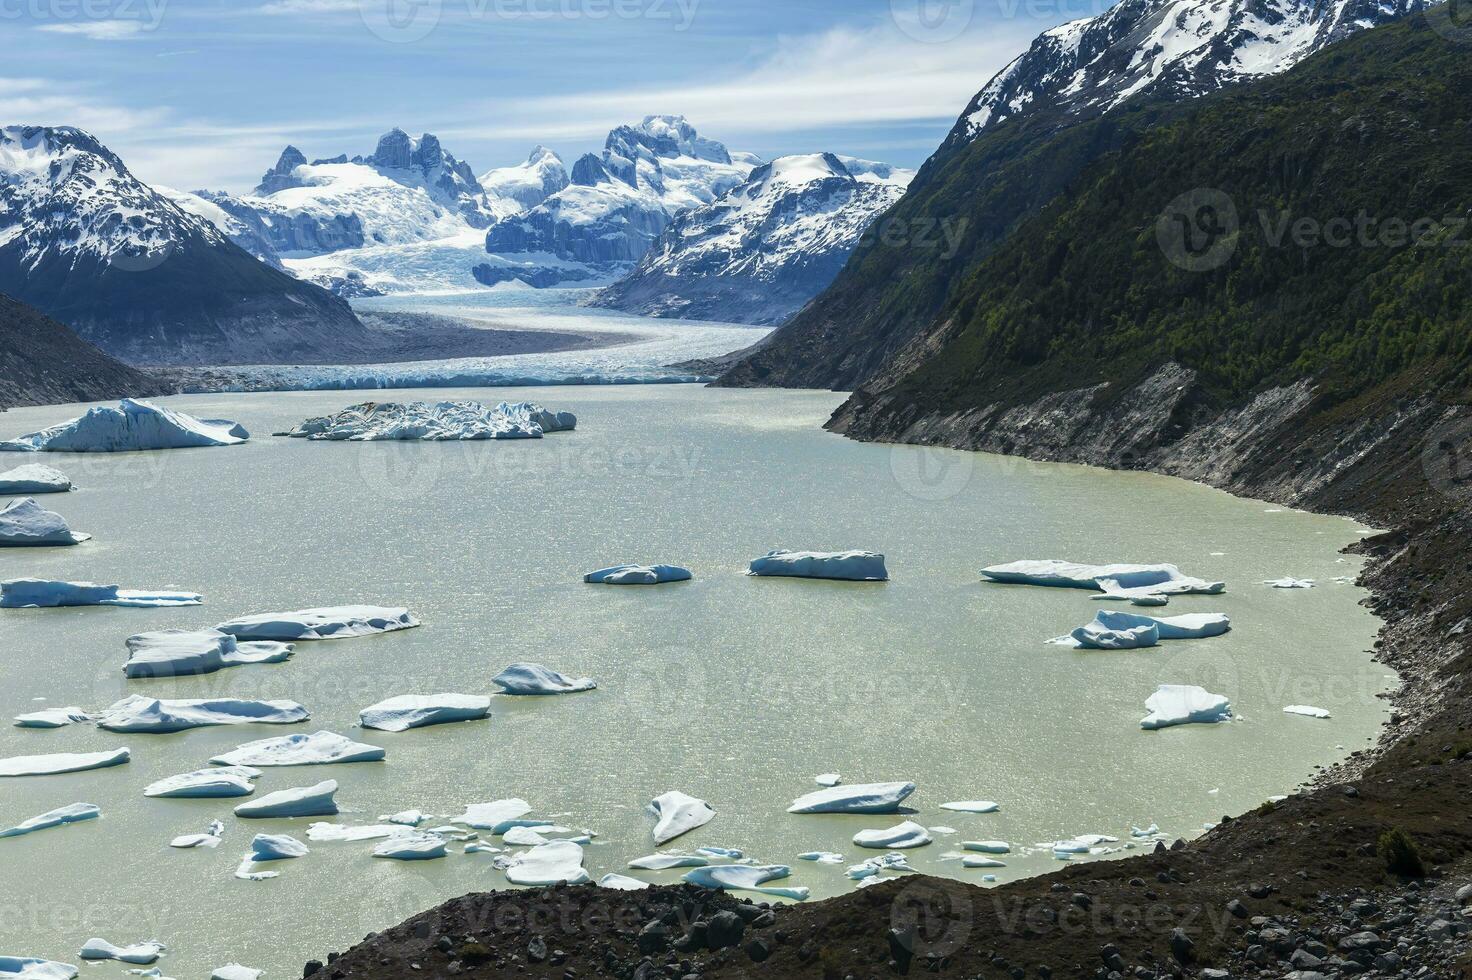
(901, 836)
(676, 814)
(1185, 704)
(981, 862)
(728, 853)
(497, 816)
(234, 971)
(523, 837)
(25, 523)
(327, 623)
(821, 857)
(746, 877)
(434, 422)
(62, 762)
(858, 798)
(184, 653)
(218, 783)
(156, 716)
(988, 846)
(52, 718)
(1136, 600)
(420, 711)
(622, 883)
(210, 839)
(60, 817)
(301, 801)
(638, 575)
(408, 818)
(276, 847)
(35, 593)
(30, 968)
(477, 847)
(1097, 636)
(1121, 581)
(322, 833)
(33, 478)
(846, 566)
(1140, 833)
(972, 806)
(875, 866)
(317, 749)
(665, 861)
(1307, 710)
(141, 954)
(828, 779)
(535, 679)
(411, 847)
(131, 427)
(1289, 583)
(548, 864)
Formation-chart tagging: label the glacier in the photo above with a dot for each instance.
(131, 427)
(60, 817)
(676, 814)
(62, 762)
(746, 877)
(35, 593)
(1185, 704)
(437, 422)
(300, 801)
(180, 653)
(848, 566)
(399, 714)
(328, 623)
(217, 783)
(858, 798)
(33, 478)
(534, 679)
(25, 523)
(901, 836)
(638, 575)
(548, 864)
(1116, 581)
(316, 749)
(157, 716)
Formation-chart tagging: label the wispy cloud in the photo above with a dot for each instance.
(98, 30)
(48, 103)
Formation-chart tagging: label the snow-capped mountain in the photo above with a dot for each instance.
(758, 254)
(86, 242)
(530, 183)
(1175, 48)
(241, 225)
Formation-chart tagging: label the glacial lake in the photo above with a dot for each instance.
(732, 689)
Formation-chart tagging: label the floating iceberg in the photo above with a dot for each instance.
(420, 711)
(1193, 626)
(901, 836)
(875, 866)
(828, 779)
(74, 813)
(411, 847)
(276, 847)
(498, 816)
(25, 523)
(33, 478)
(408, 818)
(1290, 583)
(523, 837)
(337, 833)
(536, 679)
(29, 968)
(141, 954)
(859, 798)
(317, 749)
(1308, 711)
(62, 762)
(210, 839)
(434, 422)
(981, 862)
(987, 846)
(52, 718)
(234, 971)
(622, 883)
(821, 857)
(664, 862)
(746, 877)
(206, 784)
(848, 566)
(182, 653)
(548, 864)
(1118, 581)
(132, 426)
(676, 814)
(1185, 704)
(638, 575)
(303, 801)
(972, 806)
(35, 593)
(327, 623)
(155, 716)
(1097, 636)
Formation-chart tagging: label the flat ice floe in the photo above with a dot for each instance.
(60, 817)
(1185, 704)
(1119, 580)
(746, 877)
(434, 422)
(972, 806)
(336, 833)
(676, 814)
(210, 839)
(183, 653)
(132, 426)
(1289, 583)
(638, 575)
(234, 971)
(35, 593)
(548, 864)
(847, 566)
(62, 762)
(420, 711)
(498, 816)
(317, 749)
(899, 837)
(664, 862)
(26, 524)
(1307, 711)
(34, 478)
(536, 679)
(326, 623)
(221, 782)
(411, 847)
(156, 716)
(140, 954)
(301, 801)
(52, 718)
(622, 883)
(30, 968)
(828, 779)
(821, 857)
(858, 798)
(987, 846)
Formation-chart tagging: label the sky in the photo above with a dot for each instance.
(206, 93)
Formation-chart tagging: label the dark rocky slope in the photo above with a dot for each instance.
(42, 363)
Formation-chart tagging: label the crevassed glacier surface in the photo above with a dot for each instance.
(434, 422)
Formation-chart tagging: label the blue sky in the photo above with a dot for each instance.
(205, 93)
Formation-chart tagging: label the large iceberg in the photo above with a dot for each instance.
(181, 653)
(746, 877)
(25, 523)
(676, 814)
(30, 968)
(858, 798)
(35, 593)
(301, 801)
(329, 623)
(419, 711)
(1193, 626)
(435, 422)
(317, 749)
(847, 566)
(60, 817)
(548, 864)
(903, 835)
(52, 718)
(536, 679)
(140, 954)
(638, 575)
(220, 782)
(158, 716)
(1185, 704)
(33, 478)
(62, 762)
(133, 425)
(1116, 581)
